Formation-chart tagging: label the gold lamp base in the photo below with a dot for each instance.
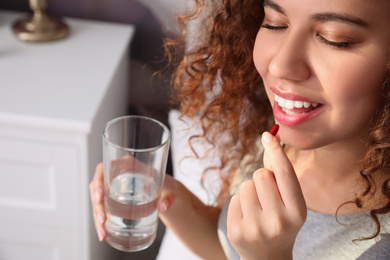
(30, 30)
(40, 27)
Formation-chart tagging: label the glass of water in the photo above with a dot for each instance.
(135, 152)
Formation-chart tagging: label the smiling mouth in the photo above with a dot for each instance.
(292, 107)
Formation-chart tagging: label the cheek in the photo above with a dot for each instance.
(262, 54)
(357, 81)
(261, 58)
(355, 94)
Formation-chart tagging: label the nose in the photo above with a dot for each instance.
(290, 61)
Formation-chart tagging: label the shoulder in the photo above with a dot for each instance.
(385, 223)
(337, 237)
(380, 250)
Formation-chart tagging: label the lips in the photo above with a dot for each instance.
(292, 110)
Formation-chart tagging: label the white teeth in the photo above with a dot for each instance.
(290, 104)
(298, 104)
(281, 102)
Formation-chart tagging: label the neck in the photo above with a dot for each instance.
(329, 176)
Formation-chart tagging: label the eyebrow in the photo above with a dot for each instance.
(273, 5)
(322, 17)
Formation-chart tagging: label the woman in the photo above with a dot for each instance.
(325, 193)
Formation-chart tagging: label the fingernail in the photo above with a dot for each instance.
(101, 217)
(98, 195)
(100, 235)
(267, 137)
(162, 207)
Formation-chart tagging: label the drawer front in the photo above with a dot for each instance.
(38, 183)
(17, 243)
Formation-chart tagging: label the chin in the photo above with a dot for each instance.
(301, 141)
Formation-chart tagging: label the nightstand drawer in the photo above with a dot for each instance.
(35, 243)
(37, 183)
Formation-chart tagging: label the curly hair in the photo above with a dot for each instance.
(223, 66)
(377, 161)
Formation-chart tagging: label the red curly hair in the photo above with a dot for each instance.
(223, 65)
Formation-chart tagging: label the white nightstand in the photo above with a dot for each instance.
(54, 101)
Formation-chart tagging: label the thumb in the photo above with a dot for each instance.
(266, 161)
(166, 200)
(270, 136)
(273, 151)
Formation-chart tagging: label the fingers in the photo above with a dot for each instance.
(167, 194)
(259, 195)
(267, 190)
(276, 161)
(234, 216)
(166, 200)
(97, 198)
(249, 200)
(267, 214)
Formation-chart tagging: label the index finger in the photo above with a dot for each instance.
(276, 160)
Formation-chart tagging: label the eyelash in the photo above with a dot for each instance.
(273, 28)
(334, 44)
(320, 37)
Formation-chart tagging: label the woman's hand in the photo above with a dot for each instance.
(96, 188)
(266, 216)
(97, 199)
(182, 212)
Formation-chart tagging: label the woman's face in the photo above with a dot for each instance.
(323, 64)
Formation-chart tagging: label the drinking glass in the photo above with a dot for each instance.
(135, 151)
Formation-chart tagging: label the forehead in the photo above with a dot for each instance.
(374, 12)
(367, 8)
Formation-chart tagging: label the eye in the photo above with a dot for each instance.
(345, 44)
(273, 28)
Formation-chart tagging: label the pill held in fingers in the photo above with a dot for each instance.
(274, 130)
